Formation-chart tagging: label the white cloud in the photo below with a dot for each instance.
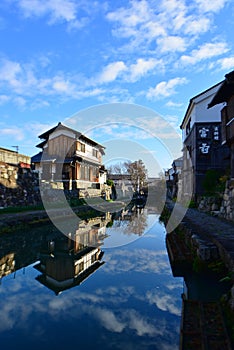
(19, 78)
(22, 81)
(138, 22)
(62, 86)
(9, 72)
(196, 25)
(171, 26)
(165, 88)
(14, 132)
(4, 99)
(173, 104)
(211, 5)
(57, 9)
(39, 103)
(171, 44)
(111, 72)
(156, 34)
(137, 13)
(37, 128)
(226, 63)
(20, 101)
(173, 6)
(142, 67)
(206, 51)
(173, 120)
(153, 29)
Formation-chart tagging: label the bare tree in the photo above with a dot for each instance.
(136, 170)
(118, 168)
(138, 173)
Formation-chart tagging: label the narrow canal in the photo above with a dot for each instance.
(110, 286)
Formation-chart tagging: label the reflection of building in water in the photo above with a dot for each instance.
(67, 261)
(18, 250)
(91, 232)
(123, 185)
(7, 265)
(131, 220)
(202, 322)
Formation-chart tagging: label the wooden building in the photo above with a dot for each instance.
(202, 145)
(69, 157)
(67, 261)
(225, 94)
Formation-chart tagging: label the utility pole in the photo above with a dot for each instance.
(17, 148)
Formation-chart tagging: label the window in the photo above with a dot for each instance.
(95, 153)
(188, 126)
(93, 258)
(80, 147)
(81, 266)
(84, 172)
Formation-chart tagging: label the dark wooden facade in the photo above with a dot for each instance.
(226, 94)
(204, 147)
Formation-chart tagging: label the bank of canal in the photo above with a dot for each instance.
(201, 250)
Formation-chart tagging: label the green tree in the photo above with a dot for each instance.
(211, 183)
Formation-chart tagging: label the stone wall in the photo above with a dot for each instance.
(210, 204)
(220, 206)
(227, 206)
(18, 186)
(86, 189)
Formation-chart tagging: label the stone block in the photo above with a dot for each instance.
(226, 197)
(204, 253)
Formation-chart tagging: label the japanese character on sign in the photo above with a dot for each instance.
(203, 132)
(216, 133)
(204, 148)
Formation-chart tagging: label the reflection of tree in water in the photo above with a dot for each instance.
(131, 221)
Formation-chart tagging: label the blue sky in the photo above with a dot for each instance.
(58, 57)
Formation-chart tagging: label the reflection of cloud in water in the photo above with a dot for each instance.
(164, 346)
(116, 295)
(126, 319)
(15, 310)
(109, 320)
(164, 302)
(142, 325)
(107, 306)
(175, 284)
(139, 260)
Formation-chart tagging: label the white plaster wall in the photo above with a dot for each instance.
(203, 114)
(199, 113)
(57, 133)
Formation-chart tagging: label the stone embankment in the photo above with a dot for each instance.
(18, 186)
(12, 221)
(220, 206)
(211, 237)
(201, 242)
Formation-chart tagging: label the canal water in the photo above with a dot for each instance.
(109, 286)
